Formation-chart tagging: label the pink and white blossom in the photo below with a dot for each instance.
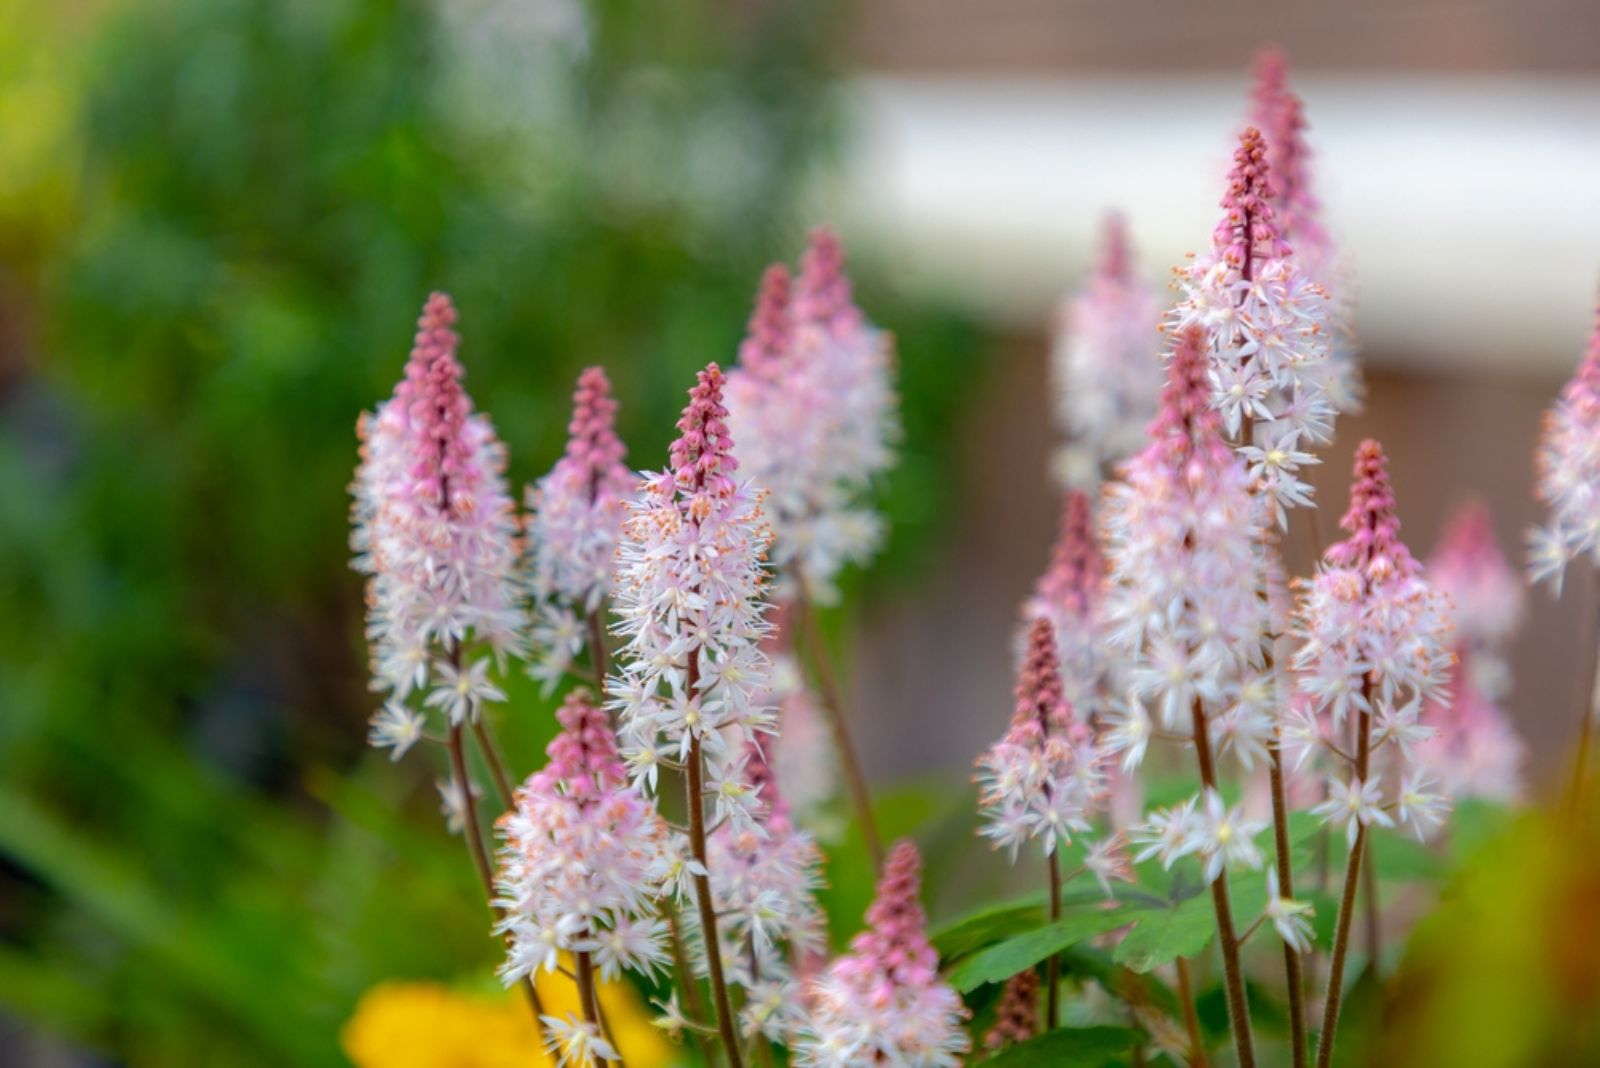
(1568, 461)
(883, 1002)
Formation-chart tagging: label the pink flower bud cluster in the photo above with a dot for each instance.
(812, 406)
(1569, 474)
(1375, 640)
(1475, 751)
(883, 1002)
(764, 880)
(436, 532)
(1070, 596)
(1016, 1019)
(1183, 541)
(1104, 364)
(1280, 115)
(583, 857)
(689, 596)
(1043, 779)
(1267, 334)
(575, 516)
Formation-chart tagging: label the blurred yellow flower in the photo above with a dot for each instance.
(403, 1024)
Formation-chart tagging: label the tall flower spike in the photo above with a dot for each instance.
(582, 858)
(575, 517)
(1043, 779)
(1069, 595)
(1266, 336)
(1102, 363)
(1568, 461)
(813, 409)
(1182, 544)
(690, 580)
(764, 880)
(1475, 750)
(883, 1002)
(435, 531)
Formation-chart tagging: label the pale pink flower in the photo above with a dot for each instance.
(1070, 595)
(1280, 115)
(1043, 779)
(689, 597)
(1374, 638)
(575, 516)
(813, 409)
(583, 857)
(1108, 861)
(1568, 462)
(1104, 363)
(883, 1002)
(435, 532)
(1266, 333)
(1291, 919)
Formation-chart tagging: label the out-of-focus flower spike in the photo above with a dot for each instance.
(1104, 363)
(1016, 1019)
(1568, 463)
(883, 1002)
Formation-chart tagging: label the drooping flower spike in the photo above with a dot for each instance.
(690, 582)
(883, 1002)
(1102, 362)
(1266, 333)
(582, 857)
(1280, 115)
(575, 517)
(1043, 779)
(1568, 461)
(1475, 750)
(812, 406)
(436, 532)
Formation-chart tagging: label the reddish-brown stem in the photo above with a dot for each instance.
(822, 667)
(1291, 958)
(1347, 904)
(491, 756)
(686, 981)
(1191, 1021)
(695, 802)
(588, 1000)
(1238, 1007)
(598, 659)
(1052, 972)
(473, 833)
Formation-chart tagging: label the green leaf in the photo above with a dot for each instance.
(1001, 961)
(1081, 1047)
(1401, 858)
(981, 927)
(1164, 935)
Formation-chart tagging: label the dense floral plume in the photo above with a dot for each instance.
(1280, 115)
(1043, 778)
(435, 532)
(575, 517)
(1374, 642)
(1070, 595)
(764, 879)
(1104, 364)
(583, 857)
(883, 1002)
(1016, 1019)
(690, 582)
(813, 409)
(1266, 335)
(1475, 751)
(1182, 541)
(1568, 463)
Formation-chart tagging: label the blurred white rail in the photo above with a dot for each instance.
(1470, 207)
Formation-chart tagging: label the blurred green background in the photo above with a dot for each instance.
(218, 221)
